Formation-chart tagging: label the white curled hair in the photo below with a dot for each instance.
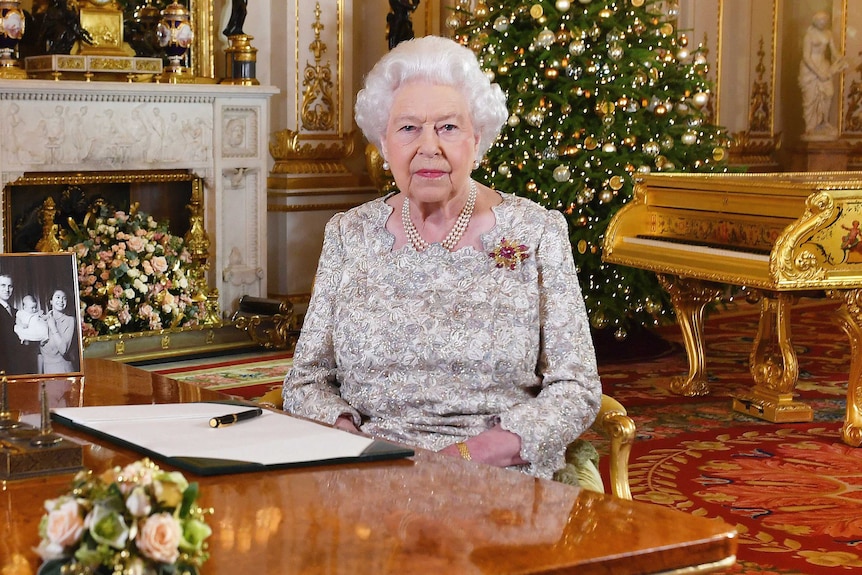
(439, 61)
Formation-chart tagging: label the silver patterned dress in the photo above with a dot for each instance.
(430, 348)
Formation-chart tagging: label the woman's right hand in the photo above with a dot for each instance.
(345, 423)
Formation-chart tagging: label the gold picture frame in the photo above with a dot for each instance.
(40, 316)
(202, 57)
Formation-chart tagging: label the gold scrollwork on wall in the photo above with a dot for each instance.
(317, 101)
(760, 111)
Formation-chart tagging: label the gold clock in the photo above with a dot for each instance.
(103, 19)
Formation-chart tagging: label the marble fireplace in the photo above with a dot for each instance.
(217, 133)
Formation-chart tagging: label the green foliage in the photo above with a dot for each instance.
(599, 92)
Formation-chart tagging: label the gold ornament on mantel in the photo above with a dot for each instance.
(12, 27)
(240, 61)
(175, 35)
(103, 19)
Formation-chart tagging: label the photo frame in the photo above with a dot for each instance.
(40, 316)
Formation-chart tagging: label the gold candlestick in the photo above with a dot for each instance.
(46, 436)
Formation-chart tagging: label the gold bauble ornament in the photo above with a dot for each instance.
(604, 108)
(700, 99)
(481, 11)
(536, 11)
(718, 154)
(598, 320)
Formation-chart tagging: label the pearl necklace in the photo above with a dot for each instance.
(453, 237)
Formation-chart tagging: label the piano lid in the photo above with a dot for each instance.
(776, 231)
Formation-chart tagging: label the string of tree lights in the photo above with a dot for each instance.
(599, 92)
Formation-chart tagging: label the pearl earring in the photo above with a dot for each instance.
(385, 166)
(476, 164)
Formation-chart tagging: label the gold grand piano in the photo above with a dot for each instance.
(782, 236)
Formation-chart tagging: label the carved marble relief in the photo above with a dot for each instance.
(78, 135)
(240, 127)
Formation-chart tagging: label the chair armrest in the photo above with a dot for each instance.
(272, 398)
(613, 423)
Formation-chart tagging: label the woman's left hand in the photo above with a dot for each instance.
(495, 446)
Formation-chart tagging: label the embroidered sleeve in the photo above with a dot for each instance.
(570, 393)
(310, 387)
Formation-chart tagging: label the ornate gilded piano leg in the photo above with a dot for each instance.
(689, 298)
(774, 366)
(850, 317)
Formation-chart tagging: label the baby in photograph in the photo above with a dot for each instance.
(30, 322)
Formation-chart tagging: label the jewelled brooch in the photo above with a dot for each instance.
(509, 254)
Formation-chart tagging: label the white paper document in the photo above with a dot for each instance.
(182, 430)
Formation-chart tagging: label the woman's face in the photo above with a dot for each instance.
(58, 300)
(430, 142)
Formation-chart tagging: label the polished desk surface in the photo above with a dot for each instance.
(425, 514)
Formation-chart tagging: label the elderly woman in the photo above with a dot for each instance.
(447, 315)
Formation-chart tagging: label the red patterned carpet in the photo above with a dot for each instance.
(794, 491)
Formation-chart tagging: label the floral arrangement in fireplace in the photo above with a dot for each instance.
(133, 274)
(133, 519)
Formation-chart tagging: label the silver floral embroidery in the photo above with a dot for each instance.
(431, 348)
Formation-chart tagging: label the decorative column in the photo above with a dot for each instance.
(313, 142)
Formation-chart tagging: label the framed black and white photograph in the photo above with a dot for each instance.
(40, 321)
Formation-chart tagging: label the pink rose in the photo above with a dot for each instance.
(159, 538)
(62, 527)
(160, 264)
(136, 243)
(94, 311)
(114, 305)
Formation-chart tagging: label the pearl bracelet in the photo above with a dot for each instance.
(464, 450)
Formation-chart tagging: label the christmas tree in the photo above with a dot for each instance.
(600, 92)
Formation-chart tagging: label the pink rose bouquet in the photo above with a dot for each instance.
(135, 519)
(132, 275)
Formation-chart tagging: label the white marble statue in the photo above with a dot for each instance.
(821, 60)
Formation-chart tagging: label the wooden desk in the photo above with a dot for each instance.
(426, 514)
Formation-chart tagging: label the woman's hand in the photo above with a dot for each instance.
(345, 423)
(495, 446)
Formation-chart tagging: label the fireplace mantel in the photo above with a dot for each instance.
(217, 132)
